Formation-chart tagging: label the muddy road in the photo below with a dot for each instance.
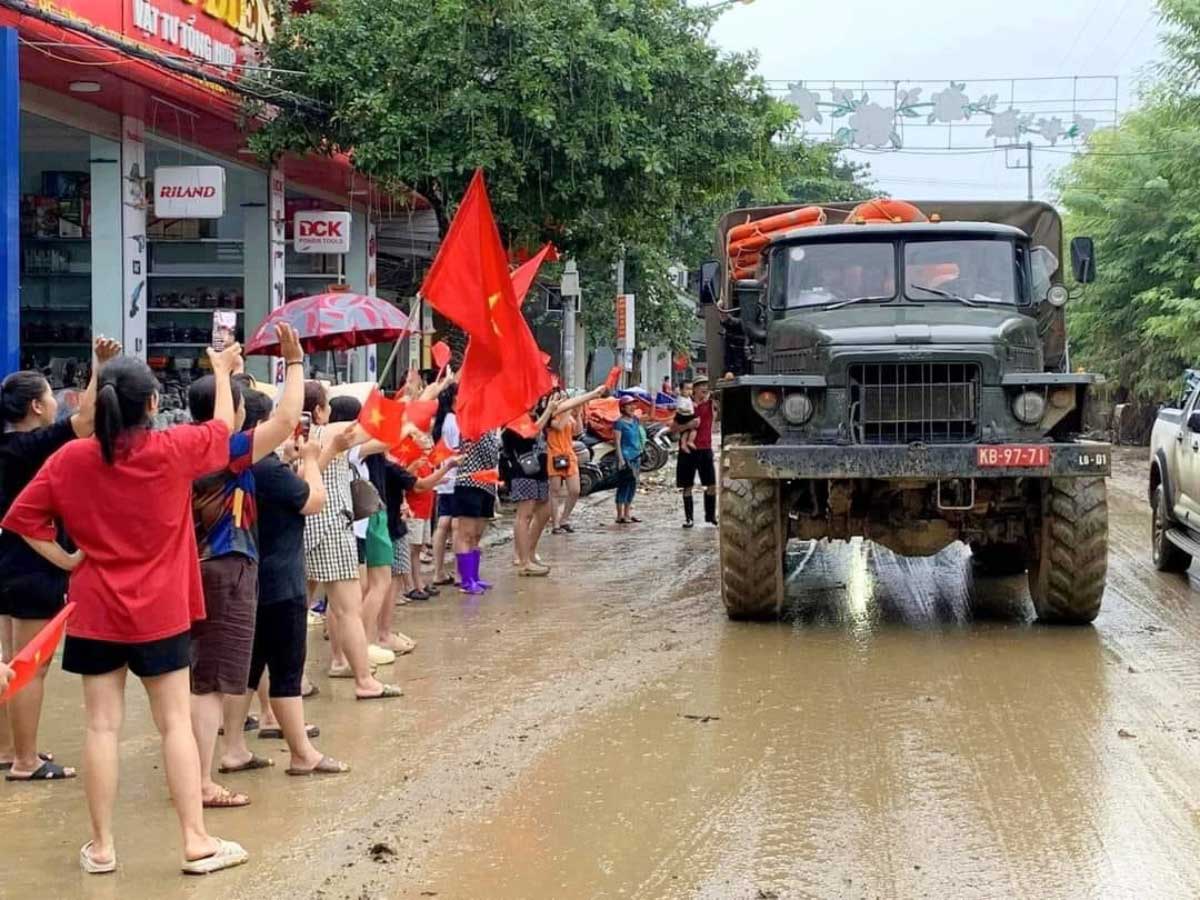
(606, 734)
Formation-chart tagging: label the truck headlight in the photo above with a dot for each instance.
(1029, 407)
(797, 408)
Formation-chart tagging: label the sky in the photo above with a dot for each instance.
(993, 46)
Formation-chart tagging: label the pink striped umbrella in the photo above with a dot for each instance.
(334, 321)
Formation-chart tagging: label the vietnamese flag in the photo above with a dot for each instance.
(406, 452)
(522, 278)
(524, 426)
(440, 453)
(420, 413)
(37, 652)
(614, 378)
(441, 354)
(469, 283)
(485, 476)
(381, 418)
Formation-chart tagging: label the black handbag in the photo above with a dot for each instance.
(530, 463)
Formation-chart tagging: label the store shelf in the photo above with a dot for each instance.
(55, 344)
(209, 309)
(328, 276)
(57, 275)
(176, 344)
(240, 276)
(56, 240)
(55, 309)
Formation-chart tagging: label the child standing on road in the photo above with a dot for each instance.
(686, 424)
(629, 438)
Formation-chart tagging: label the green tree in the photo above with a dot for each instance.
(1137, 192)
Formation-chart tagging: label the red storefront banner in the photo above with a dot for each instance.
(221, 33)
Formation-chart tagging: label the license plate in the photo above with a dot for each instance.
(1093, 460)
(1011, 456)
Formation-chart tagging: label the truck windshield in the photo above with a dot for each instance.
(970, 270)
(823, 274)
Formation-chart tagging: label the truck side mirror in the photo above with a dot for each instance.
(710, 273)
(1083, 259)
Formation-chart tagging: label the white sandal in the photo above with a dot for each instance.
(227, 856)
(90, 866)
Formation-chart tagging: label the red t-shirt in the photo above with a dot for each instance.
(421, 502)
(140, 577)
(704, 412)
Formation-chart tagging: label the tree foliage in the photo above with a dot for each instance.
(601, 124)
(1137, 192)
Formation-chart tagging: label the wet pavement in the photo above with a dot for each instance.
(606, 733)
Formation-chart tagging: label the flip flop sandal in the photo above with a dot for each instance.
(227, 856)
(44, 757)
(389, 692)
(276, 734)
(312, 691)
(90, 866)
(327, 766)
(47, 771)
(444, 581)
(634, 520)
(254, 762)
(227, 799)
(432, 590)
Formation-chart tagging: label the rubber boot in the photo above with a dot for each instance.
(478, 564)
(468, 569)
(710, 509)
(689, 511)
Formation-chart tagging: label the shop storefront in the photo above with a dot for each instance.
(129, 204)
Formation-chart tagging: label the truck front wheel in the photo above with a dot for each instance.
(1070, 551)
(753, 539)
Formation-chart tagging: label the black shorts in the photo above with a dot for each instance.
(695, 462)
(34, 595)
(280, 647)
(85, 656)
(473, 503)
(445, 506)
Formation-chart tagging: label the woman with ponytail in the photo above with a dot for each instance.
(32, 591)
(125, 497)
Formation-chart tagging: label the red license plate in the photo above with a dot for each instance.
(1012, 456)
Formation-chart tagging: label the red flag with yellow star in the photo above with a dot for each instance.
(381, 418)
(469, 283)
(37, 652)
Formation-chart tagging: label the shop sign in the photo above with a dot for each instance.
(209, 30)
(317, 231)
(189, 192)
(625, 328)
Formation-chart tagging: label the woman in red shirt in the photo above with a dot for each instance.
(135, 582)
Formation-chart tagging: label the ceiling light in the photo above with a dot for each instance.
(84, 87)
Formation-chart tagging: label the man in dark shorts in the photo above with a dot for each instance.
(699, 461)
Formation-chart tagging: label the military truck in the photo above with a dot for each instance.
(905, 379)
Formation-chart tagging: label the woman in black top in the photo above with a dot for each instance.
(529, 486)
(32, 590)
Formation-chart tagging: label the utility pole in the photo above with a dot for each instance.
(619, 270)
(1027, 165)
(571, 294)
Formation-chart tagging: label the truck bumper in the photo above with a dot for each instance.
(918, 462)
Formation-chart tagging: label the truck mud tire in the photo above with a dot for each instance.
(1167, 557)
(1000, 559)
(1070, 551)
(753, 540)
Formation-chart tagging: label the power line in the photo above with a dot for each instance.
(1079, 34)
(1150, 18)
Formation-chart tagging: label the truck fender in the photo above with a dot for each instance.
(1159, 466)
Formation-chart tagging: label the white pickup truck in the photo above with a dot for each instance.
(1175, 483)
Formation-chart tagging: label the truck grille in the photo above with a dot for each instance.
(903, 403)
(791, 362)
